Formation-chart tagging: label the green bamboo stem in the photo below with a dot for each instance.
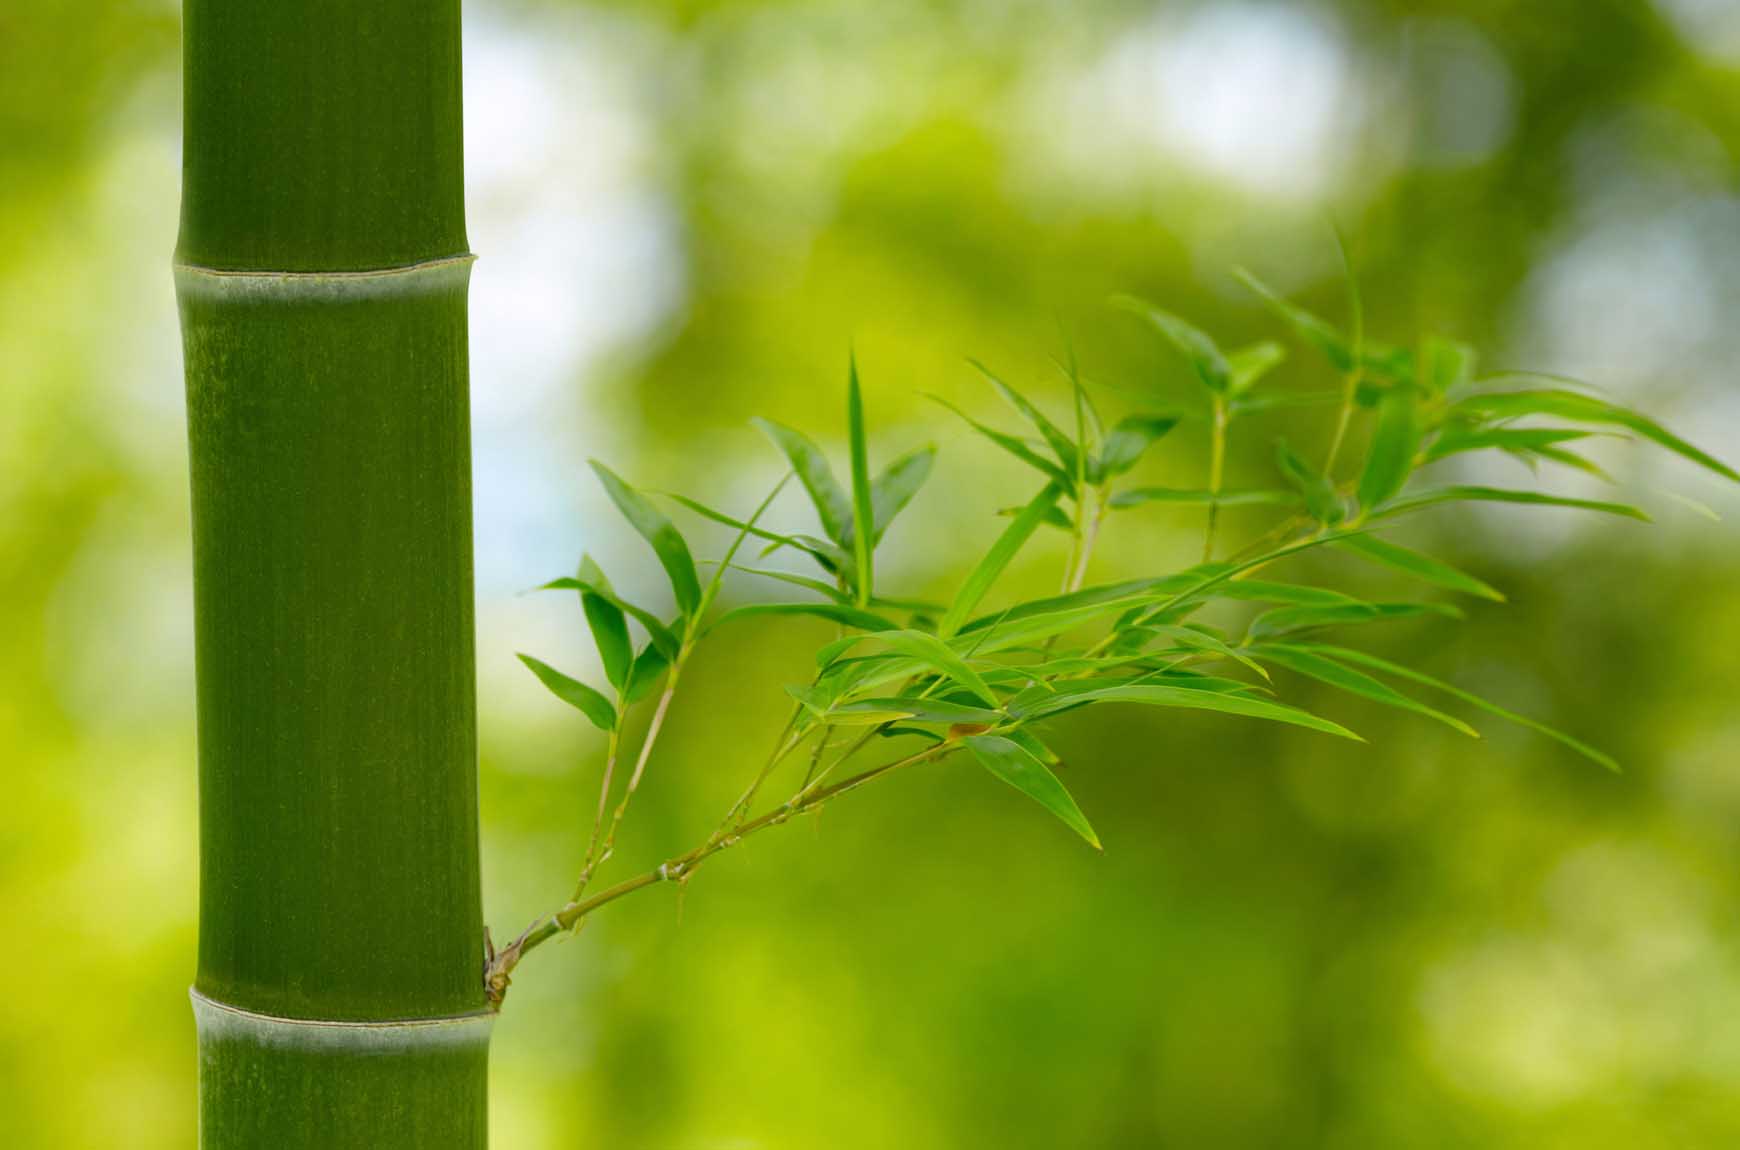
(322, 270)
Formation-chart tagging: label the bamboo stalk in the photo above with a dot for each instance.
(321, 271)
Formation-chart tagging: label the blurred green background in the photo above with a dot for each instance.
(687, 212)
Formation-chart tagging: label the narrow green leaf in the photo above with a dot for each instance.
(1014, 536)
(1127, 443)
(1582, 408)
(827, 554)
(1030, 743)
(1183, 496)
(1433, 571)
(894, 488)
(863, 513)
(1285, 620)
(662, 636)
(1311, 328)
(1464, 494)
(659, 532)
(933, 652)
(1015, 446)
(1248, 365)
(925, 710)
(832, 506)
(1460, 437)
(610, 633)
(1312, 664)
(649, 667)
(1202, 353)
(1172, 696)
(824, 589)
(1017, 766)
(1321, 499)
(1445, 364)
(1390, 457)
(850, 616)
(575, 693)
(1061, 445)
(1349, 655)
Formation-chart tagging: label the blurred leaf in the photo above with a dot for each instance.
(996, 559)
(1201, 700)
(1312, 664)
(1445, 364)
(1248, 365)
(1466, 494)
(575, 693)
(850, 616)
(1127, 443)
(1201, 352)
(832, 506)
(659, 532)
(1434, 571)
(1061, 445)
(1016, 447)
(1390, 457)
(1360, 657)
(1017, 766)
(863, 513)
(1312, 329)
(925, 710)
(1136, 496)
(1581, 408)
(1461, 436)
(1321, 499)
(894, 488)
(1285, 620)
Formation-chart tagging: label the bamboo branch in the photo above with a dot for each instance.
(499, 970)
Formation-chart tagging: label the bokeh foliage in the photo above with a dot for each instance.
(1289, 942)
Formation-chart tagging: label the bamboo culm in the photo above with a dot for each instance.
(321, 270)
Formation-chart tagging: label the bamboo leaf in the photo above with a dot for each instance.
(1285, 620)
(832, 506)
(1017, 766)
(649, 667)
(1314, 330)
(925, 710)
(1015, 446)
(610, 633)
(1061, 445)
(659, 532)
(1445, 364)
(1173, 696)
(1020, 529)
(575, 693)
(827, 554)
(1312, 664)
(939, 656)
(1424, 567)
(662, 636)
(1321, 500)
(1576, 406)
(1461, 437)
(1349, 655)
(1182, 496)
(850, 616)
(1248, 365)
(1391, 455)
(1201, 352)
(1465, 494)
(894, 488)
(1127, 443)
(863, 514)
